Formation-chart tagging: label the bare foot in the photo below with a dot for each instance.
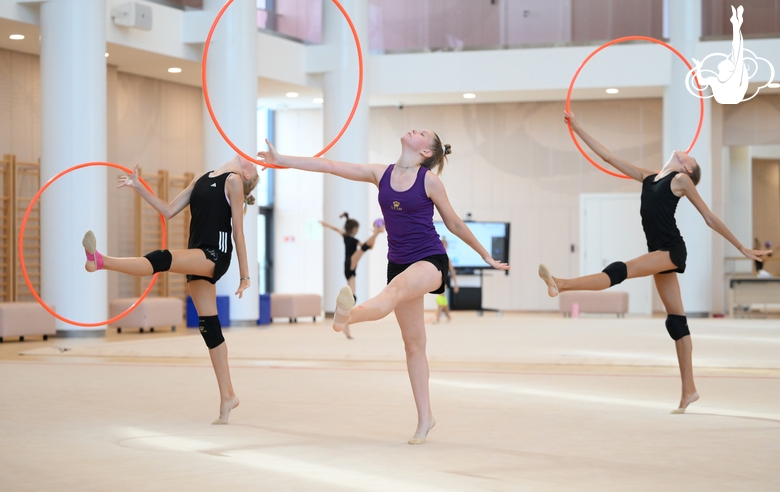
(345, 301)
(224, 410)
(90, 246)
(544, 273)
(422, 432)
(684, 402)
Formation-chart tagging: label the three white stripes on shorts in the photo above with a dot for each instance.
(223, 241)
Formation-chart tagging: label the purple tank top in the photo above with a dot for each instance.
(409, 220)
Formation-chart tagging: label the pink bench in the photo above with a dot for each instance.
(602, 301)
(21, 319)
(294, 306)
(153, 312)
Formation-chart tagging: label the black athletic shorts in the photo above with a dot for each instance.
(441, 262)
(348, 273)
(221, 263)
(678, 254)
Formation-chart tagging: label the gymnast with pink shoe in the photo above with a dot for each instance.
(217, 202)
(417, 261)
(666, 249)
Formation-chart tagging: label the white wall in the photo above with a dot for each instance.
(610, 231)
(739, 215)
(298, 244)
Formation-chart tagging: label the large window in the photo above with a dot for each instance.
(761, 18)
(453, 25)
(296, 19)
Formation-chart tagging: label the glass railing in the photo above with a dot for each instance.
(300, 20)
(453, 25)
(181, 4)
(761, 18)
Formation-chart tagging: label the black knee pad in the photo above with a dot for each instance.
(160, 260)
(211, 331)
(365, 247)
(617, 272)
(677, 326)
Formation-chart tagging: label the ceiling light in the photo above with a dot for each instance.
(774, 85)
(292, 94)
(16, 37)
(469, 95)
(106, 54)
(612, 91)
(174, 70)
(318, 100)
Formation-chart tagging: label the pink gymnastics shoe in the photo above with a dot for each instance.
(90, 248)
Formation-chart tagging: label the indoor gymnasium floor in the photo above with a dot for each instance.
(522, 402)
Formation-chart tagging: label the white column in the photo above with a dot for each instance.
(681, 113)
(73, 131)
(341, 195)
(232, 84)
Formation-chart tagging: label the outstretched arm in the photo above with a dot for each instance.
(683, 182)
(435, 189)
(329, 226)
(167, 210)
(370, 173)
(618, 163)
(235, 191)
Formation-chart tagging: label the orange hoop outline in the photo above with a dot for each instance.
(207, 99)
(610, 43)
(21, 246)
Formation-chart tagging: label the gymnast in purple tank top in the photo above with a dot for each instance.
(408, 218)
(417, 262)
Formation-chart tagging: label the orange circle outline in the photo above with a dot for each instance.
(610, 43)
(207, 99)
(21, 246)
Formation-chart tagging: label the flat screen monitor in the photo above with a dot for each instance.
(493, 236)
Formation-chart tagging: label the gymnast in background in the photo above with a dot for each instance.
(353, 248)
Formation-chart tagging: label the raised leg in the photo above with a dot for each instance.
(669, 290)
(185, 261)
(357, 255)
(411, 319)
(204, 296)
(416, 281)
(352, 287)
(643, 266)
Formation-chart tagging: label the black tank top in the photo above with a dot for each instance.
(210, 225)
(657, 210)
(350, 246)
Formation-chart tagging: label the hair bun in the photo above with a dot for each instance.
(345, 215)
(249, 200)
(447, 149)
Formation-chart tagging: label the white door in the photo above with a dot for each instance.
(611, 230)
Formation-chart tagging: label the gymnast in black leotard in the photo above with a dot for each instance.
(353, 249)
(217, 202)
(661, 191)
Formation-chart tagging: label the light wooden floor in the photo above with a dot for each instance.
(522, 402)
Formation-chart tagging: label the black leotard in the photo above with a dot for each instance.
(211, 223)
(350, 246)
(657, 210)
